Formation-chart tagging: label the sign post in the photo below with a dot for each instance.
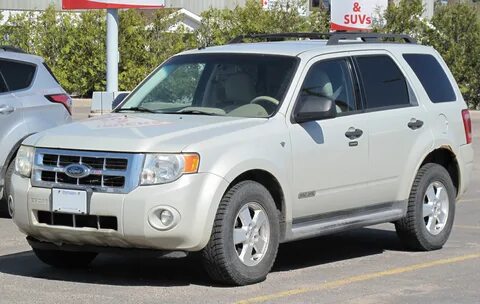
(356, 15)
(112, 50)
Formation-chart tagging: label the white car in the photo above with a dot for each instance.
(31, 100)
(231, 150)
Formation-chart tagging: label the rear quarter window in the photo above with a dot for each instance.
(18, 75)
(432, 76)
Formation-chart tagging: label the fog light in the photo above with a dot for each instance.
(166, 217)
(163, 217)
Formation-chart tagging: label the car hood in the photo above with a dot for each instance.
(140, 132)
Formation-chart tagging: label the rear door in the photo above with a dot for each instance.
(396, 122)
(11, 118)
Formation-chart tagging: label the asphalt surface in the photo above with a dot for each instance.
(363, 266)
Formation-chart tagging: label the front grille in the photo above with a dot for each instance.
(77, 220)
(109, 172)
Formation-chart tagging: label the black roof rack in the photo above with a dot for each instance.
(333, 38)
(8, 48)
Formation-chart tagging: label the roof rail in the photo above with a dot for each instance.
(8, 48)
(333, 38)
(280, 36)
(336, 38)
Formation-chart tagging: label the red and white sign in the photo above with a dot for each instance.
(102, 4)
(354, 15)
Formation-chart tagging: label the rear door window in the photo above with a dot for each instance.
(18, 75)
(384, 84)
(432, 76)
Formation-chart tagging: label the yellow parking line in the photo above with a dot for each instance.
(467, 227)
(360, 278)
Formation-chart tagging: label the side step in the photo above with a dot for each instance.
(329, 223)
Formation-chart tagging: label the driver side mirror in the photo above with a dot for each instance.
(311, 108)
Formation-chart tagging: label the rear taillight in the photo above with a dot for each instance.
(467, 123)
(63, 99)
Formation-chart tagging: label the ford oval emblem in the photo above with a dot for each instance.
(77, 171)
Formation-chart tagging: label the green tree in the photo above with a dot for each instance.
(221, 25)
(454, 31)
(455, 34)
(19, 30)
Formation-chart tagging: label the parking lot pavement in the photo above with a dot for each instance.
(363, 266)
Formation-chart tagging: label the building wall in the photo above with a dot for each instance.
(29, 4)
(195, 6)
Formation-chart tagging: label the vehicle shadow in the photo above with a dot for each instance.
(141, 271)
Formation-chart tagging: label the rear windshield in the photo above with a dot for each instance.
(432, 76)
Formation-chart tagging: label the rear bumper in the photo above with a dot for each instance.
(465, 160)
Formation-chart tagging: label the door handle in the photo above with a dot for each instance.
(5, 110)
(415, 124)
(353, 133)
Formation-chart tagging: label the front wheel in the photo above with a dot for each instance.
(65, 259)
(431, 210)
(245, 236)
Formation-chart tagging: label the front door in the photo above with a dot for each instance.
(330, 157)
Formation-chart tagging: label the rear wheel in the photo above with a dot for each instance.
(6, 203)
(65, 259)
(245, 236)
(431, 210)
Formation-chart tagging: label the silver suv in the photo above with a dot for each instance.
(231, 150)
(31, 100)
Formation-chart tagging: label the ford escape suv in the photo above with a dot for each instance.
(231, 150)
(31, 100)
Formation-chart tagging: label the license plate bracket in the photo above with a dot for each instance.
(69, 201)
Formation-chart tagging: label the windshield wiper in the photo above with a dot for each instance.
(136, 109)
(197, 112)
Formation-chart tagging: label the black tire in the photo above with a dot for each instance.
(65, 259)
(5, 211)
(219, 257)
(412, 229)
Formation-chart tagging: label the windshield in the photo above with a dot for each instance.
(241, 85)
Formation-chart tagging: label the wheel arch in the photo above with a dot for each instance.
(445, 157)
(10, 157)
(272, 184)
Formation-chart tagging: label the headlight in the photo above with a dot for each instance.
(24, 161)
(166, 168)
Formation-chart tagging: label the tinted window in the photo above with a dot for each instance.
(331, 79)
(3, 86)
(383, 82)
(17, 75)
(432, 76)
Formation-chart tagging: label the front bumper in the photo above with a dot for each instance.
(196, 198)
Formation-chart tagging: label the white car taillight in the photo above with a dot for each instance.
(63, 99)
(467, 123)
